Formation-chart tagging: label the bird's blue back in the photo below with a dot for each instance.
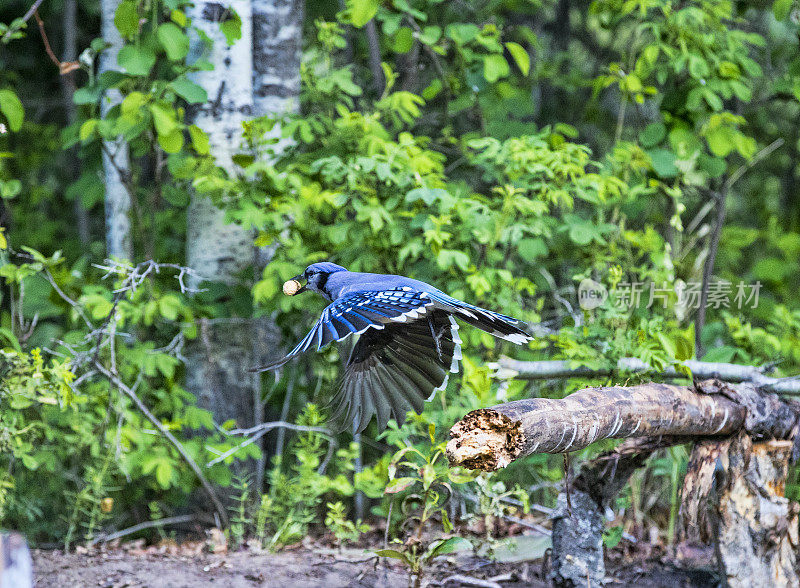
(346, 282)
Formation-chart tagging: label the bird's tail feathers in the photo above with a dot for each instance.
(494, 323)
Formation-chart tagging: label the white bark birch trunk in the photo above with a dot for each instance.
(216, 370)
(115, 153)
(216, 249)
(277, 46)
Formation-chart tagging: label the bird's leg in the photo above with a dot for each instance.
(436, 337)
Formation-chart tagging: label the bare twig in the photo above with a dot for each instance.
(63, 67)
(178, 520)
(508, 368)
(259, 431)
(11, 30)
(114, 378)
(708, 269)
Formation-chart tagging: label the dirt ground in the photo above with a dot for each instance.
(309, 566)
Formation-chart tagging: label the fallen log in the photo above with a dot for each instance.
(491, 438)
(745, 440)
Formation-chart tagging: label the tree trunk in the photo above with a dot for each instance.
(757, 537)
(277, 47)
(216, 370)
(70, 53)
(115, 153)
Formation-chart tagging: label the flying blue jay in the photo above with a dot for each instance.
(406, 339)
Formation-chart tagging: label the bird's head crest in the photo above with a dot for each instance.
(315, 276)
(323, 267)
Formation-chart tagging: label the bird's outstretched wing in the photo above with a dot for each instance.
(356, 314)
(396, 369)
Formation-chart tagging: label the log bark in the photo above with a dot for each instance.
(490, 439)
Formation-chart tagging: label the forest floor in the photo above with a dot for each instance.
(309, 565)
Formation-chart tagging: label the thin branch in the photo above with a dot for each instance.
(63, 67)
(708, 270)
(259, 431)
(11, 30)
(141, 527)
(220, 509)
(508, 368)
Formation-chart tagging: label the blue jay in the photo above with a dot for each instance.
(406, 339)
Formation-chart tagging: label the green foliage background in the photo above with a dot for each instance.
(505, 151)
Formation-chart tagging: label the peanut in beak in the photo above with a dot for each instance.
(291, 287)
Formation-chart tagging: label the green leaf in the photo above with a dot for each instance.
(169, 306)
(462, 33)
(171, 142)
(721, 140)
(175, 195)
(86, 95)
(398, 485)
(12, 109)
(521, 57)
(88, 128)
(430, 35)
(782, 8)
(173, 40)
(612, 536)
(652, 135)
(445, 546)
(137, 61)
(126, 19)
(403, 40)
(723, 354)
(163, 118)
(164, 473)
(663, 161)
(427, 195)
(231, 28)
(713, 166)
(362, 11)
(188, 90)
(530, 249)
(394, 554)
(448, 258)
(199, 140)
(495, 67)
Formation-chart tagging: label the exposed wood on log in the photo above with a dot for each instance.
(758, 525)
(508, 368)
(695, 525)
(490, 439)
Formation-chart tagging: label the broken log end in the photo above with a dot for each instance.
(485, 440)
